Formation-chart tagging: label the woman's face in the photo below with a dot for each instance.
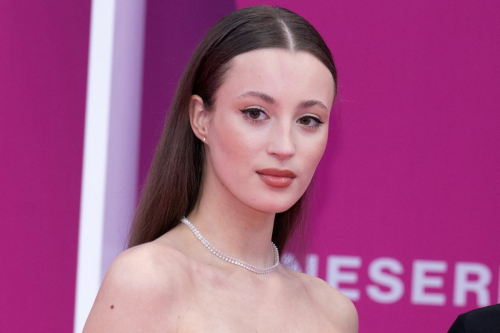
(269, 127)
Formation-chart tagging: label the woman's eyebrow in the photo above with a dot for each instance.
(263, 96)
(308, 104)
(269, 99)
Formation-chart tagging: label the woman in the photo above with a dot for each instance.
(247, 128)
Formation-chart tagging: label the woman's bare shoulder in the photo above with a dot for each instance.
(335, 305)
(147, 266)
(142, 284)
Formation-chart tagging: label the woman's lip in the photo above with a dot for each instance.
(276, 177)
(276, 173)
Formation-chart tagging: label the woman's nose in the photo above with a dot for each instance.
(281, 142)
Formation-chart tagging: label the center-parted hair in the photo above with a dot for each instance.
(174, 180)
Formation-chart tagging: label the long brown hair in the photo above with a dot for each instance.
(174, 179)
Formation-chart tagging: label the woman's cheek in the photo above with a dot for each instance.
(235, 145)
(315, 149)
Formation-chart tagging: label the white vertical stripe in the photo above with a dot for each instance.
(124, 130)
(112, 128)
(94, 158)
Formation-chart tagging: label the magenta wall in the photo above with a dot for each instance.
(414, 175)
(43, 74)
(172, 32)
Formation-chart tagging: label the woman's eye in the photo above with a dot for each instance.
(254, 114)
(310, 121)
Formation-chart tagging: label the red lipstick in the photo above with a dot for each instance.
(276, 177)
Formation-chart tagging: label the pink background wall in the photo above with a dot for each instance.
(412, 174)
(43, 75)
(170, 39)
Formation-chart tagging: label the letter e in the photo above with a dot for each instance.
(420, 281)
(335, 276)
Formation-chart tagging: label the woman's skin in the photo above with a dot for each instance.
(174, 284)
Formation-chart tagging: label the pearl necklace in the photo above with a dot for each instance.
(230, 259)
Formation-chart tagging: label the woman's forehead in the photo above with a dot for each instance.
(277, 72)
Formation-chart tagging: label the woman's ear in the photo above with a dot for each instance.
(199, 117)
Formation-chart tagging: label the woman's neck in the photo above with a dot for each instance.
(234, 228)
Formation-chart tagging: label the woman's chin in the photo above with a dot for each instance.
(274, 208)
